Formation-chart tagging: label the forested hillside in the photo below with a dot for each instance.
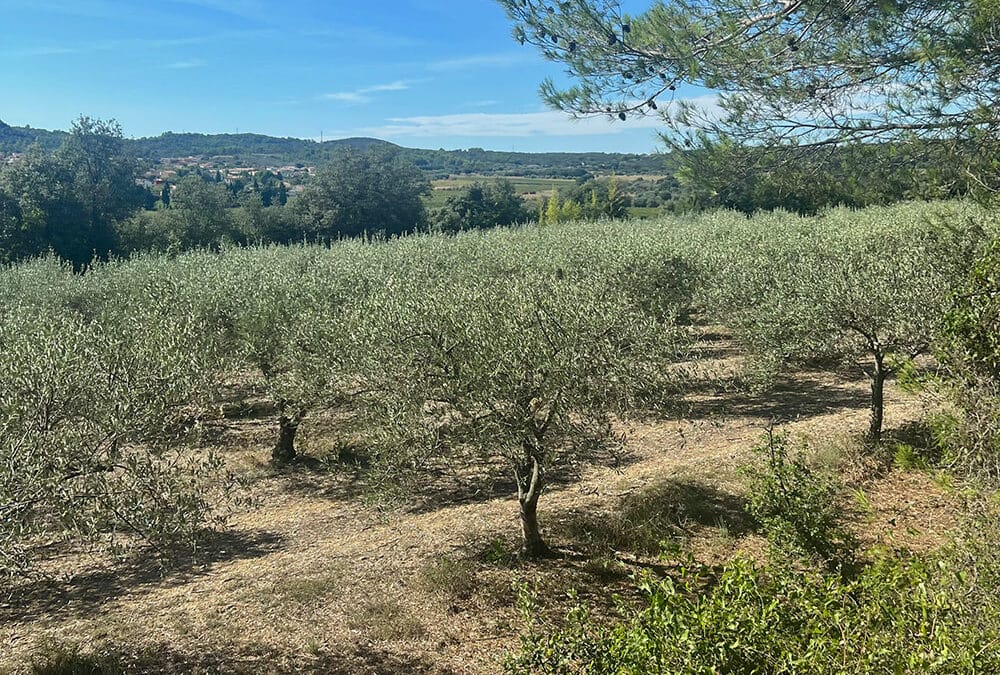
(259, 151)
(19, 139)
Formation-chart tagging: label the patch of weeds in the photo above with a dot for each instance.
(863, 502)
(386, 619)
(851, 458)
(796, 506)
(606, 569)
(346, 454)
(308, 590)
(916, 446)
(500, 553)
(658, 519)
(905, 457)
(448, 577)
(66, 658)
(721, 538)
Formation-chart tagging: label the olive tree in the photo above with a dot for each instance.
(277, 312)
(528, 369)
(864, 288)
(967, 346)
(96, 417)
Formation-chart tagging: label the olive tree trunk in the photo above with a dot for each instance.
(284, 450)
(529, 476)
(878, 376)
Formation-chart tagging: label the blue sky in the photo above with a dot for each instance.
(421, 73)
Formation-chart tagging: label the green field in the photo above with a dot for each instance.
(529, 188)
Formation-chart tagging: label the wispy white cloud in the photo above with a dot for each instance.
(364, 94)
(548, 123)
(134, 44)
(487, 103)
(499, 60)
(186, 65)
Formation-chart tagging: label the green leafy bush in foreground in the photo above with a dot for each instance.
(795, 505)
(896, 616)
(813, 608)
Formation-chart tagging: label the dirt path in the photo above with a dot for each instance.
(311, 583)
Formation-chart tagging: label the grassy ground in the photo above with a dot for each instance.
(320, 579)
(532, 189)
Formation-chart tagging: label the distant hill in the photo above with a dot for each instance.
(244, 146)
(19, 139)
(260, 150)
(545, 164)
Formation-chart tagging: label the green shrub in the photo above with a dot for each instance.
(897, 616)
(796, 506)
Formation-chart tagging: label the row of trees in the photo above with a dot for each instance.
(509, 350)
(83, 201)
(591, 200)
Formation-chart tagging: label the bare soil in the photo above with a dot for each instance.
(320, 579)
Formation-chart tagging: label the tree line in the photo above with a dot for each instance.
(514, 350)
(85, 200)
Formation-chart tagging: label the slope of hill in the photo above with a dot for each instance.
(260, 150)
(19, 139)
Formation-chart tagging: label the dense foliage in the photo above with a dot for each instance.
(70, 201)
(969, 353)
(481, 205)
(862, 289)
(363, 192)
(786, 72)
(100, 397)
(486, 353)
(787, 82)
(896, 616)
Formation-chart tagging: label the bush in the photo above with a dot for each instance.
(796, 506)
(897, 616)
(968, 349)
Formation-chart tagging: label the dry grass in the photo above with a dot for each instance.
(318, 580)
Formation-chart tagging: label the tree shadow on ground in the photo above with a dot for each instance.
(477, 480)
(797, 396)
(645, 521)
(596, 547)
(341, 474)
(85, 593)
(347, 474)
(235, 659)
(597, 553)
